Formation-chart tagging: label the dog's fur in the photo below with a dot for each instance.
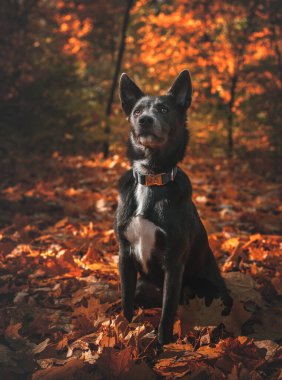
(159, 230)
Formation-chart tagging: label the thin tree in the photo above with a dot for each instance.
(109, 107)
(239, 49)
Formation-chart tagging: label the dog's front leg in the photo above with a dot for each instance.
(128, 277)
(171, 297)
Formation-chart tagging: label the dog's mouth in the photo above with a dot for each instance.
(150, 140)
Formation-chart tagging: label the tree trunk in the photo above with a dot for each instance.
(230, 116)
(126, 19)
(234, 80)
(230, 143)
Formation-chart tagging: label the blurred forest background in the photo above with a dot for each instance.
(59, 64)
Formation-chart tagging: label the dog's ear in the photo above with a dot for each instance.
(181, 89)
(129, 93)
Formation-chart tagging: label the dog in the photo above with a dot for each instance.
(159, 231)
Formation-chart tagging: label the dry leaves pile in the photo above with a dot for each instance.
(60, 312)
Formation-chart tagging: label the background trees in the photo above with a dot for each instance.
(228, 47)
(58, 59)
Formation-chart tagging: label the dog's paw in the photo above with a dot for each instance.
(128, 314)
(164, 337)
(159, 348)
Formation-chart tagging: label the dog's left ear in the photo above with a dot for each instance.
(181, 89)
(129, 93)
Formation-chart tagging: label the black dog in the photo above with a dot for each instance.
(159, 230)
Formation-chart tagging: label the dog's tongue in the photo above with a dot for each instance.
(149, 140)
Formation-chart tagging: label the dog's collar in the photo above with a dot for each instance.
(155, 179)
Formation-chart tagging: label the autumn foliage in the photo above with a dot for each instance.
(61, 57)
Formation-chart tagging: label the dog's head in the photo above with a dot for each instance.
(157, 122)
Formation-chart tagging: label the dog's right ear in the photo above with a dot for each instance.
(129, 93)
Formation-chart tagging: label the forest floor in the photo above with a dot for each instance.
(60, 313)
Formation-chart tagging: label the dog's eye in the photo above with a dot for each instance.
(136, 112)
(164, 110)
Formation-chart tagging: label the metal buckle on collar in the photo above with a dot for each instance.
(172, 175)
(152, 180)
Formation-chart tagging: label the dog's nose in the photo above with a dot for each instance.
(146, 121)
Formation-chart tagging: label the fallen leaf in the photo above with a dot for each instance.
(243, 288)
(41, 346)
(72, 370)
(198, 314)
(12, 331)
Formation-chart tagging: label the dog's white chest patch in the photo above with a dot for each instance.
(141, 196)
(141, 232)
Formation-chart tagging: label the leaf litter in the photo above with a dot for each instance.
(60, 308)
